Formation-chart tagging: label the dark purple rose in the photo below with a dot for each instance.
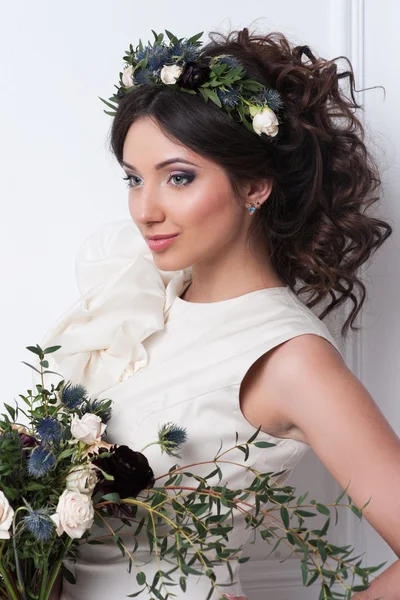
(193, 75)
(131, 471)
(27, 441)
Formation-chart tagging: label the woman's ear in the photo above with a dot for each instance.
(257, 191)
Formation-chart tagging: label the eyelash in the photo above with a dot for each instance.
(187, 176)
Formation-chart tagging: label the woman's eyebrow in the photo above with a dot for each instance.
(164, 163)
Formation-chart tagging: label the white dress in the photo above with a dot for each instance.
(130, 337)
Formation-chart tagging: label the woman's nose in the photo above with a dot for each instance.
(147, 205)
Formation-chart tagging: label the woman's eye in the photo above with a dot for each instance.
(129, 179)
(189, 178)
(178, 176)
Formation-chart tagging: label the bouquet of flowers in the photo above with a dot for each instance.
(58, 477)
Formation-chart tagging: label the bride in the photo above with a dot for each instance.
(239, 194)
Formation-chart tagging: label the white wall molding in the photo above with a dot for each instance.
(354, 49)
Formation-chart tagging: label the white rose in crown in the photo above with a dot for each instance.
(264, 121)
(74, 514)
(127, 76)
(170, 73)
(88, 429)
(81, 479)
(6, 517)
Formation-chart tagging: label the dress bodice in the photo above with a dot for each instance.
(132, 338)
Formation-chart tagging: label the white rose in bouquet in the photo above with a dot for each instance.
(88, 429)
(74, 514)
(6, 517)
(81, 479)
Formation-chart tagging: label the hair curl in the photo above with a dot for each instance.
(323, 175)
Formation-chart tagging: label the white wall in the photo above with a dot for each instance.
(380, 344)
(59, 182)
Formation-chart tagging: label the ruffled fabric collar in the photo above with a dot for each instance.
(124, 299)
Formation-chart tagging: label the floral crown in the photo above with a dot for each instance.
(182, 66)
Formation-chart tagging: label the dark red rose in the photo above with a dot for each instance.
(193, 75)
(131, 471)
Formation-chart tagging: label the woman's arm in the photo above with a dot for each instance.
(338, 417)
(57, 587)
(385, 586)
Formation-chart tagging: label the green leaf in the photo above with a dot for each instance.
(171, 36)
(186, 569)
(264, 444)
(35, 350)
(68, 575)
(373, 569)
(114, 497)
(139, 527)
(323, 509)
(54, 373)
(210, 94)
(195, 38)
(243, 559)
(108, 103)
(291, 538)
(304, 513)
(325, 527)
(253, 437)
(313, 578)
(65, 453)
(33, 485)
(51, 349)
(304, 572)
(10, 409)
(245, 451)
(31, 366)
(285, 516)
(322, 550)
(355, 510)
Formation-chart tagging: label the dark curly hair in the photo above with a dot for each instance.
(324, 177)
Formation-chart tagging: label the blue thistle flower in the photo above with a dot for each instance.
(229, 97)
(270, 97)
(38, 522)
(73, 395)
(41, 461)
(142, 76)
(186, 52)
(227, 59)
(140, 54)
(171, 437)
(158, 57)
(99, 408)
(49, 430)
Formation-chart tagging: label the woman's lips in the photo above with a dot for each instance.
(161, 243)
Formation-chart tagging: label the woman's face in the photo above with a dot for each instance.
(193, 200)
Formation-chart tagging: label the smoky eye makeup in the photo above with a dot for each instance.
(186, 176)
